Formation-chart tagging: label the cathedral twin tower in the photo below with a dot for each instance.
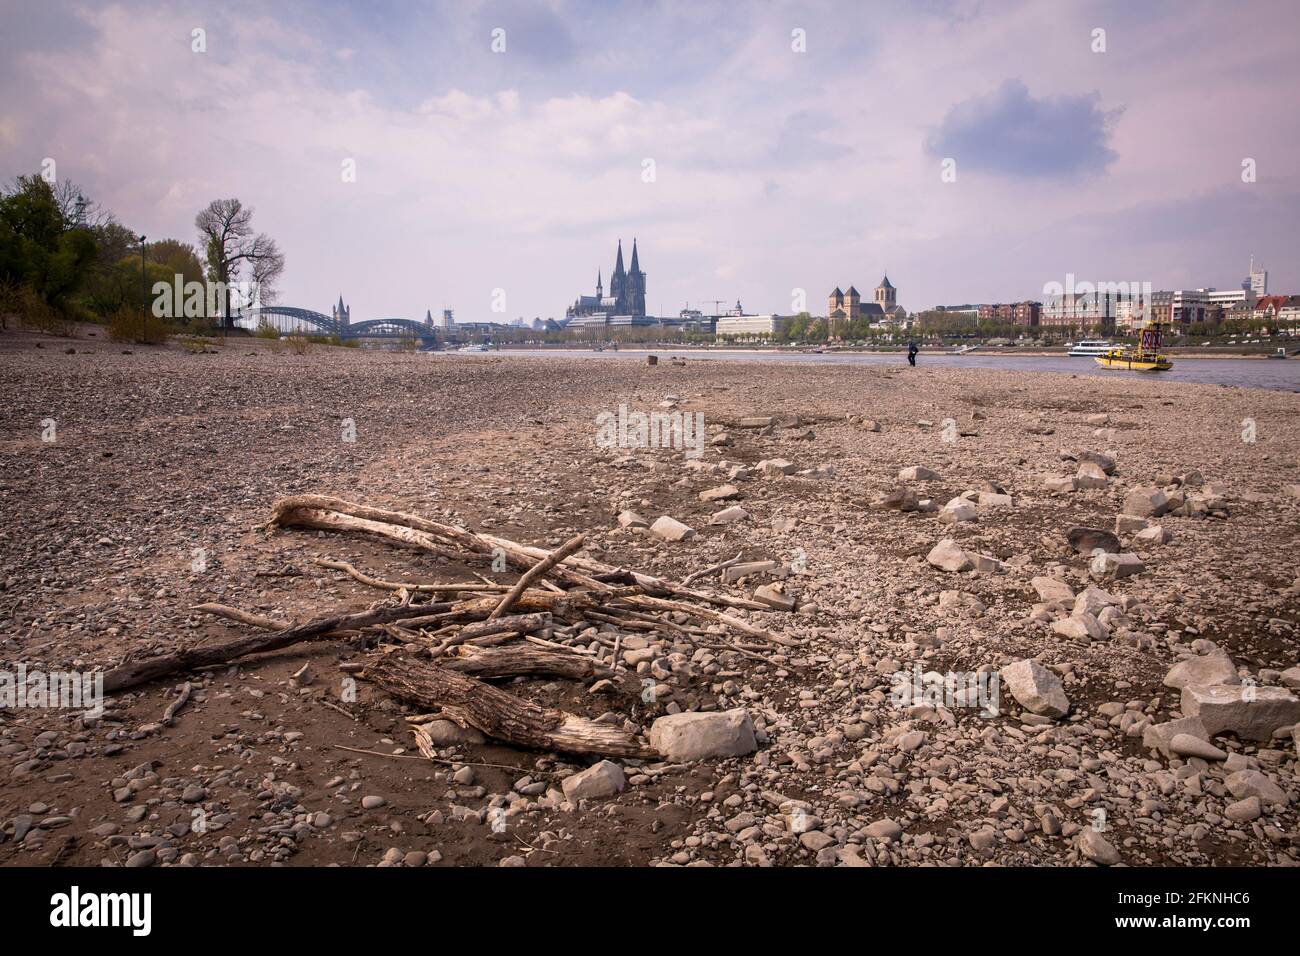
(626, 291)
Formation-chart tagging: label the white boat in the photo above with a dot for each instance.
(473, 348)
(963, 349)
(1090, 348)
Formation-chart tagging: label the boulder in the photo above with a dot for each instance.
(729, 515)
(721, 493)
(1161, 736)
(1080, 627)
(1093, 600)
(1105, 462)
(1146, 502)
(775, 467)
(993, 499)
(917, 473)
(1037, 689)
(1097, 848)
(670, 529)
(1153, 535)
(1090, 475)
(774, 596)
(900, 499)
(1252, 713)
(1105, 567)
(1251, 783)
(1187, 745)
(1068, 483)
(948, 557)
(699, 736)
(1052, 589)
(1127, 524)
(957, 510)
(602, 780)
(630, 519)
(747, 569)
(1210, 669)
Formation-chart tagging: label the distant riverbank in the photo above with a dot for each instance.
(1233, 371)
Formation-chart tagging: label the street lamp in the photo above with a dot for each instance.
(144, 287)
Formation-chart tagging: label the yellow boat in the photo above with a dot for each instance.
(1134, 360)
(1145, 358)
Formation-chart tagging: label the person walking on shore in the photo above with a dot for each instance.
(911, 352)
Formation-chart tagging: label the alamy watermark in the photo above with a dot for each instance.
(953, 690)
(683, 431)
(67, 690)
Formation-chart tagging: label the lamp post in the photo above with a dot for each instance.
(144, 287)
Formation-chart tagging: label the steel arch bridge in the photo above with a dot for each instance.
(291, 319)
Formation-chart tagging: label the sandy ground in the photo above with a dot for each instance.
(151, 493)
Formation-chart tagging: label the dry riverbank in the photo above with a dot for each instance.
(152, 493)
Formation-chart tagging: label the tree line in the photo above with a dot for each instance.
(65, 259)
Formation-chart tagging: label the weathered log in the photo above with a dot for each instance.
(491, 663)
(498, 714)
(516, 623)
(138, 672)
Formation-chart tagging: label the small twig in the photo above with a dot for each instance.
(174, 707)
(536, 571)
(692, 578)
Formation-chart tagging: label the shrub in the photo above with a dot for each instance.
(265, 330)
(142, 328)
(299, 344)
(38, 314)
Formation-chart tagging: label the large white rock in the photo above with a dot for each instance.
(602, 780)
(917, 473)
(1037, 689)
(1147, 502)
(1210, 669)
(1090, 475)
(1080, 627)
(956, 510)
(699, 736)
(947, 556)
(1252, 783)
(776, 467)
(720, 493)
(1107, 567)
(670, 529)
(1052, 589)
(1161, 736)
(1251, 712)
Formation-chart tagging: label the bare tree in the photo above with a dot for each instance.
(78, 211)
(226, 230)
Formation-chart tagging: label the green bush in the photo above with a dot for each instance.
(137, 326)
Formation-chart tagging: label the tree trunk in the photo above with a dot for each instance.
(497, 714)
(143, 671)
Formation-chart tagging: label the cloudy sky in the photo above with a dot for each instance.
(753, 148)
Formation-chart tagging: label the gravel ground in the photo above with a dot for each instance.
(150, 490)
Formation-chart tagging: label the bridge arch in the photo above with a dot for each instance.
(289, 319)
(388, 328)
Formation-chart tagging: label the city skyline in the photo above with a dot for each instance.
(788, 147)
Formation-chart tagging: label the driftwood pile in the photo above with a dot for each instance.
(467, 633)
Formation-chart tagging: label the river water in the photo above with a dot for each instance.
(1282, 375)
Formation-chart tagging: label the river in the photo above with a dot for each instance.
(1281, 375)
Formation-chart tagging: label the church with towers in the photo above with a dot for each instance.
(626, 295)
(845, 307)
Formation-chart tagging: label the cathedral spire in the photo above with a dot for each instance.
(618, 263)
(635, 266)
